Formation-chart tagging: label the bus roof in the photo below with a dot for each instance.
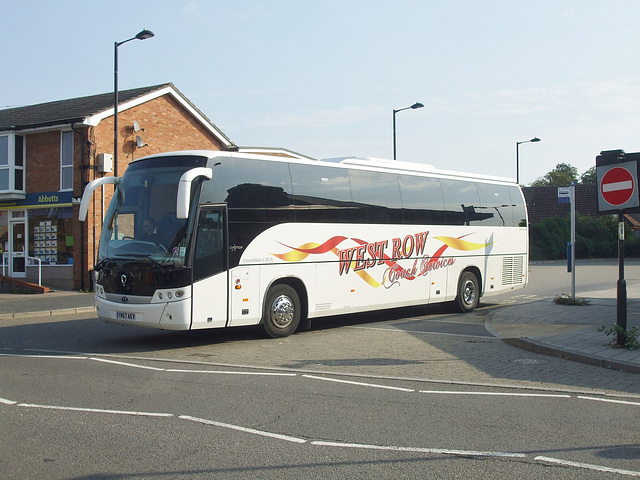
(281, 154)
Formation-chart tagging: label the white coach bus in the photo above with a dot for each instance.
(246, 238)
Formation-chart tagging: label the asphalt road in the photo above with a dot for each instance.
(101, 417)
(414, 393)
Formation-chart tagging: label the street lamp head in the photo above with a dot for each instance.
(534, 140)
(417, 105)
(144, 34)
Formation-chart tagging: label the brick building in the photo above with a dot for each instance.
(542, 202)
(48, 154)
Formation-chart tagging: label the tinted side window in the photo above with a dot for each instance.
(461, 203)
(376, 197)
(496, 206)
(519, 207)
(263, 192)
(209, 248)
(321, 194)
(422, 201)
(217, 189)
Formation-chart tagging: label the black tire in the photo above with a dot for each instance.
(468, 292)
(281, 314)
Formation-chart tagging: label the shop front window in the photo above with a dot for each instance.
(51, 235)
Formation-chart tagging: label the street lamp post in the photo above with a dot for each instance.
(143, 35)
(412, 107)
(533, 140)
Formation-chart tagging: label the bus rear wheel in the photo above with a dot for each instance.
(281, 314)
(468, 292)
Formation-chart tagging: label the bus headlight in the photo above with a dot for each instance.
(170, 295)
(99, 290)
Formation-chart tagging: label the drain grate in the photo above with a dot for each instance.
(529, 361)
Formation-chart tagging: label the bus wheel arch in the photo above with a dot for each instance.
(468, 290)
(285, 308)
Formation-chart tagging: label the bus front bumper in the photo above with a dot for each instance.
(172, 315)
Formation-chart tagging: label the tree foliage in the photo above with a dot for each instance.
(595, 238)
(563, 174)
(589, 176)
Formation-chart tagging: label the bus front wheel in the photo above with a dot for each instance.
(281, 314)
(468, 292)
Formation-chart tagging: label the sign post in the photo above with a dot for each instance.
(617, 176)
(568, 194)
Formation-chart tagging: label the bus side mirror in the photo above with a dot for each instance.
(88, 192)
(184, 189)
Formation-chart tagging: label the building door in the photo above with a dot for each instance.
(17, 244)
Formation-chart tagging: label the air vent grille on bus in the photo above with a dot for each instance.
(512, 270)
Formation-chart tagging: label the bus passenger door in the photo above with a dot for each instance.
(209, 294)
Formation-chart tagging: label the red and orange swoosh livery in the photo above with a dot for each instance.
(377, 256)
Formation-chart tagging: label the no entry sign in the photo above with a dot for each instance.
(617, 186)
(617, 175)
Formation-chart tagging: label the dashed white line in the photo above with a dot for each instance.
(609, 400)
(445, 451)
(243, 429)
(7, 402)
(221, 372)
(95, 410)
(350, 382)
(146, 367)
(125, 364)
(55, 357)
(504, 394)
(586, 466)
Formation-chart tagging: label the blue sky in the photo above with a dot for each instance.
(323, 77)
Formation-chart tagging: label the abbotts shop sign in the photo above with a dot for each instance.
(40, 200)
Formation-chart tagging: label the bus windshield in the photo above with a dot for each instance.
(141, 221)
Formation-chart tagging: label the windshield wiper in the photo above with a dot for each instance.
(158, 264)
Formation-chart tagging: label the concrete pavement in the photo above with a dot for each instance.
(568, 331)
(541, 325)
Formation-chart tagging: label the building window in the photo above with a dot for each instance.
(11, 163)
(66, 161)
(5, 169)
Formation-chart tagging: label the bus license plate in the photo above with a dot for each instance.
(125, 316)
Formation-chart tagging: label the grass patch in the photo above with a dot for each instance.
(566, 299)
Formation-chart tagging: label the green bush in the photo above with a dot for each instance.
(595, 238)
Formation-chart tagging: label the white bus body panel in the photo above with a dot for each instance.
(210, 302)
(349, 268)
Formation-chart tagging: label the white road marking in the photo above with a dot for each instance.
(220, 372)
(95, 410)
(444, 451)
(505, 394)
(55, 357)
(610, 400)
(587, 466)
(288, 438)
(359, 383)
(125, 364)
(146, 367)
(243, 429)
